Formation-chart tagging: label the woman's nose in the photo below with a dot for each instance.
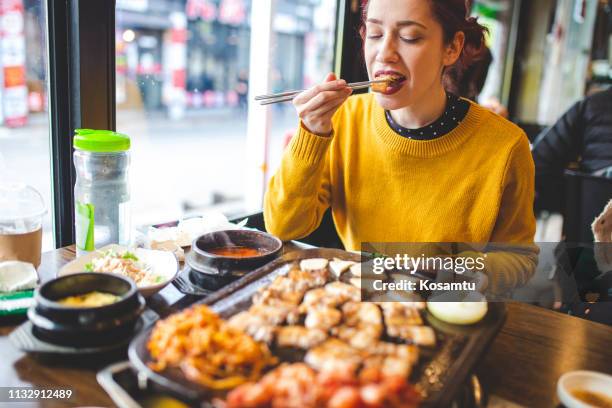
(388, 50)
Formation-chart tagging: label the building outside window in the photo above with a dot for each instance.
(183, 80)
(24, 119)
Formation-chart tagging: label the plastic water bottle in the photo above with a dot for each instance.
(101, 192)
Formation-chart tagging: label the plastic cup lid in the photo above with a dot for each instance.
(100, 141)
(20, 201)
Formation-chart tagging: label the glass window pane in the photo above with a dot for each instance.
(302, 55)
(24, 119)
(183, 79)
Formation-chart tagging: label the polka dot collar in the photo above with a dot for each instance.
(455, 112)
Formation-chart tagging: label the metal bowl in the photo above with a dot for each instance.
(86, 326)
(203, 261)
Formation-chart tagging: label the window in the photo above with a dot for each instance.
(24, 119)
(302, 55)
(185, 79)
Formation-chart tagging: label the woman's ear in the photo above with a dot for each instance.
(453, 50)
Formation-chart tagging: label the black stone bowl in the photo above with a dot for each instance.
(200, 260)
(86, 326)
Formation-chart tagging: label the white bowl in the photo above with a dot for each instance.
(583, 380)
(162, 263)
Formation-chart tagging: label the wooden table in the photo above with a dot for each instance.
(534, 348)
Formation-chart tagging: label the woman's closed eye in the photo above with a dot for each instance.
(411, 40)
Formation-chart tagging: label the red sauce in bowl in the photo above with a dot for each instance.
(236, 251)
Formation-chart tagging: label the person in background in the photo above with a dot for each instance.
(412, 163)
(597, 304)
(242, 89)
(582, 135)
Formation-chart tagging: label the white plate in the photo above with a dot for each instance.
(162, 263)
(584, 380)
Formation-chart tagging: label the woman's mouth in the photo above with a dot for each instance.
(393, 82)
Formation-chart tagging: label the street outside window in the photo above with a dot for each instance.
(184, 81)
(24, 119)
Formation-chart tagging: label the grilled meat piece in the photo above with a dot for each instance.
(309, 278)
(392, 359)
(323, 318)
(299, 337)
(343, 291)
(339, 266)
(282, 288)
(362, 324)
(399, 315)
(361, 313)
(254, 325)
(419, 335)
(333, 355)
(313, 264)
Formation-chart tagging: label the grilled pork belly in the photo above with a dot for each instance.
(419, 335)
(299, 337)
(323, 318)
(343, 291)
(333, 355)
(398, 315)
(254, 325)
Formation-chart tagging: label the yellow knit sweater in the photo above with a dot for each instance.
(473, 185)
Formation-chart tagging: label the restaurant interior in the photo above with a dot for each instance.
(175, 231)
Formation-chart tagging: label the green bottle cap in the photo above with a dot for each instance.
(100, 141)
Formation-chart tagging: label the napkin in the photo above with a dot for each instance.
(17, 275)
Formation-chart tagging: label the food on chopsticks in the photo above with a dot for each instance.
(90, 299)
(297, 385)
(207, 350)
(382, 86)
(126, 264)
(458, 312)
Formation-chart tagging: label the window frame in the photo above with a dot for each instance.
(81, 91)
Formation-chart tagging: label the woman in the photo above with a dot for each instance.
(411, 164)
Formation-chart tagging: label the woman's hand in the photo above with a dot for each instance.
(317, 105)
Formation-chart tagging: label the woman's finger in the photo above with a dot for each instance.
(327, 111)
(308, 94)
(319, 120)
(322, 99)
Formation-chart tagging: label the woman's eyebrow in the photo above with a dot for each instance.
(404, 23)
(401, 23)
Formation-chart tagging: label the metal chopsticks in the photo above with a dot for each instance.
(289, 95)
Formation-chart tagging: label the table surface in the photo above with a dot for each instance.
(534, 348)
